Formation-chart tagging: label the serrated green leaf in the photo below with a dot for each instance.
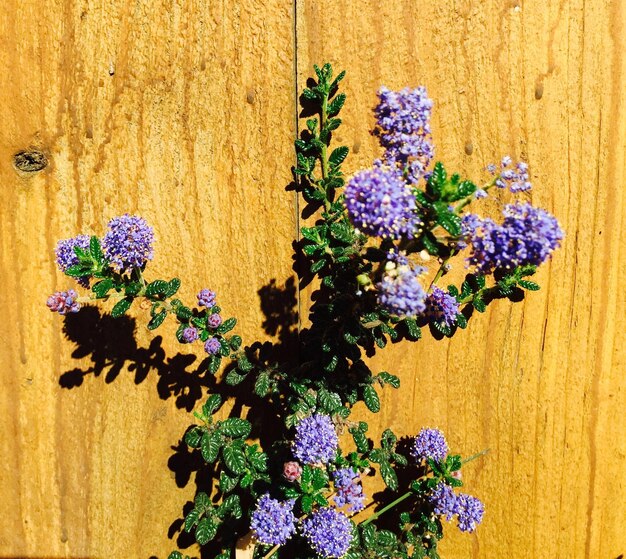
(213, 403)
(95, 250)
(191, 520)
(233, 378)
(530, 285)
(329, 401)
(214, 363)
(156, 288)
(121, 307)
(228, 482)
(183, 313)
(234, 459)
(235, 427)
(194, 436)
(172, 287)
(78, 271)
(205, 531)
(450, 222)
(461, 321)
(102, 288)
(332, 124)
(338, 155)
(389, 475)
(235, 342)
(157, 320)
(210, 446)
(336, 105)
(479, 304)
(414, 331)
(226, 326)
(232, 506)
(175, 555)
(258, 460)
(390, 379)
(318, 265)
(370, 397)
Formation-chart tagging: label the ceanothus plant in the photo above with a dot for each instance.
(301, 493)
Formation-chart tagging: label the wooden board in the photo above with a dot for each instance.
(181, 111)
(184, 111)
(541, 383)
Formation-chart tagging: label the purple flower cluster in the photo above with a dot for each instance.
(349, 489)
(468, 509)
(316, 440)
(527, 236)
(214, 320)
(441, 306)
(515, 177)
(190, 334)
(381, 204)
(430, 443)
(63, 302)
(273, 522)
(66, 255)
(329, 532)
(403, 129)
(400, 291)
(206, 298)
(212, 346)
(128, 242)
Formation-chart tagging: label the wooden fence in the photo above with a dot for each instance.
(185, 111)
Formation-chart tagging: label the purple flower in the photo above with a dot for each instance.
(190, 334)
(214, 320)
(516, 178)
(480, 193)
(430, 443)
(63, 302)
(441, 307)
(206, 298)
(349, 489)
(470, 511)
(212, 346)
(66, 255)
(273, 522)
(403, 129)
(316, 440)
(128, 242)
(527, 236)
(329, 532)
(381, 204)
(400, 291)
(444, 501)
(292, 471)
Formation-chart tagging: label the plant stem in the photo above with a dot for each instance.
(442, 269)
(385, 509)
(477, 455)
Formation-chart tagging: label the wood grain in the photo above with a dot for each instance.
(541, 384)
(181, 111)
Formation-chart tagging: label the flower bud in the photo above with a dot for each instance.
(292, 471)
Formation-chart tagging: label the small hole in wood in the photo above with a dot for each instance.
(30, 161)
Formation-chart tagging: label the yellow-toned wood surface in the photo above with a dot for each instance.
(184, 111)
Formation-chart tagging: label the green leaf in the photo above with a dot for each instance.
(461, 321)
(437, 179)
(317, 266)
(231, 505)
(233, 378)
(78, 271)
(235, 427)
(194, 436)
(202, 503)
(414, 331)
(388, 378)
(210, 446)
(214, 363)
(258, 460)
(360, 440)
(310, 233)
(226, 326)
(465, 189)
(191, 520)
(102, 287)
(157, 320)
(389, 475)
(243, 364)
(234, 459)
(235, 342)
(333, 124)
(213, 403)
(175, 555)
(262, 384)
(335, 105)
(330, 401)
(228, 482)
(183, 313)
(205, 531)
(479, 304)
(172, 287)
(306, 503)
(370, 397)
(338, 155)
(450, 222)
(157, 288)
(121, 307)
(95, 249)
(530, 285)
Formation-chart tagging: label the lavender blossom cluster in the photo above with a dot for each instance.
(527, 236)
(128, 242)
(468, 510)
(316, 440)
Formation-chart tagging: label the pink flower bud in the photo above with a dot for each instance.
(292, 471)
